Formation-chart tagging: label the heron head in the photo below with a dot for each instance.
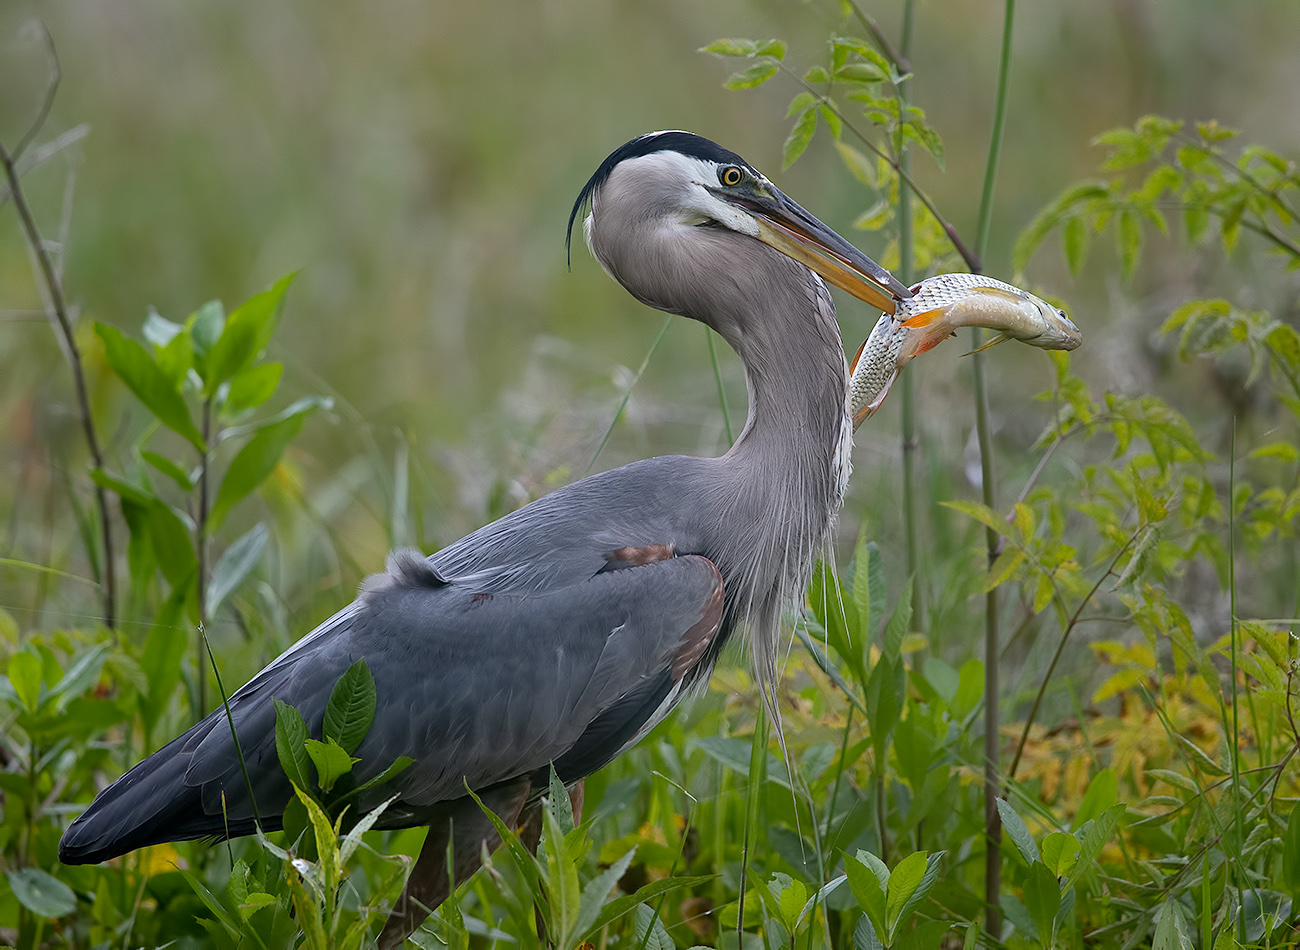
(672, 191)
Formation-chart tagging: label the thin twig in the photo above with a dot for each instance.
(900, 58)
(57, 312)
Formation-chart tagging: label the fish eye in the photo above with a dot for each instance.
(1062, 314)
(730, 175)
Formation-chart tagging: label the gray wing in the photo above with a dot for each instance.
(476, 686)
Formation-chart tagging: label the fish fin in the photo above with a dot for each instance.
(931, 342)
(924, 319)
(1000, 338)
(1015, 296)
(853, 366)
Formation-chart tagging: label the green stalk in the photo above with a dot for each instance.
(992, 823)
(753, 801)
(911, 443)
(1235, 751)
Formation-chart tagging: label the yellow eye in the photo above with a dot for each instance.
(729, 175)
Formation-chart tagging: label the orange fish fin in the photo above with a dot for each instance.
(924, 319)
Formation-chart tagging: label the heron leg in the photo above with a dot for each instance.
(462, 826)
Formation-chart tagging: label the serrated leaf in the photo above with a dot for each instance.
(135, 367)
(1285, 342)
(859, 166)
(41, 892)
(731, 47)
(755, 75)
(236, 563)
(1019, 834)
(291, 737)
(351, 708)
(1075, 238)
(981, 513)
(800, 135)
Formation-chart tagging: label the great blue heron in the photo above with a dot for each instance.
(563, 632)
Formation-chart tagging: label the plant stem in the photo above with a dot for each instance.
(200, 582)
(57, 311)
(993, 541)
(911, 442)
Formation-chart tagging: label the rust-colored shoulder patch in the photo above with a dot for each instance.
(696, 640)
(629, 556)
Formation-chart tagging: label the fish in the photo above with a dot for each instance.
(938, 307)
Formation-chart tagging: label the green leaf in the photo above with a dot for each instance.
(1074, 241)
(351, 708)
(597, 892)
(1060, 851)
(921, 891)
(79, 677)
(1285, 342)
(331, 760)
(255, 462)
(868, 888)
(41, 892)
(983, 514)
(246, 332)
(899, 622)
(25, 675)
(650, 932)
(252, 386)
(1171, 928)
(326, 842)
(1291, 851)
(1017, 832)
(1102, 793)
(400, 765)
(1042, 900)
(135, 367)
(731, 47)
(291, 737)
(169, 468)
(1092, 838)
(755, 75)
(859, 166)
(173, 545)
(903, 882)
(621, 905)
(235, 565)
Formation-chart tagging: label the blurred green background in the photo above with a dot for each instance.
(417, 161)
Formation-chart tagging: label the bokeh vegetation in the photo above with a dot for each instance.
(433, 366)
